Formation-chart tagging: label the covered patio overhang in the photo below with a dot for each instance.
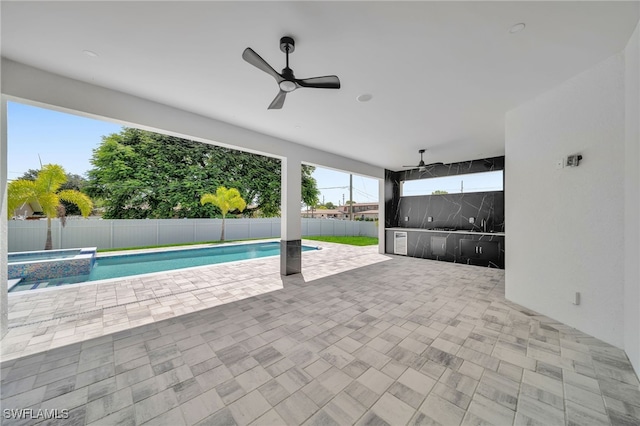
(37, 87)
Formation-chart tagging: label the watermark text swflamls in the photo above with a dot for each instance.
(31, 414)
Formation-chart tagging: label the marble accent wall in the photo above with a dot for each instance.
(462, 168)
(450, 211)
(391, 198)
(453, 211)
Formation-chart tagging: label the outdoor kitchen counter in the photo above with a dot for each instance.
(459, 246)
(459, 231)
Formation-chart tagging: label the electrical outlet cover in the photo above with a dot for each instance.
(576, 298)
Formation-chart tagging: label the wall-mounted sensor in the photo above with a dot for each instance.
(574, 160)
(472, 220)
(406, 218)
(429, 218)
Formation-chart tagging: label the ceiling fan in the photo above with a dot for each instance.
(421, 165)
(287, 81)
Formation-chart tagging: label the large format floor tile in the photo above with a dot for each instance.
(358, 338)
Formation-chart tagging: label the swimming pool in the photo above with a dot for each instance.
(123, 265)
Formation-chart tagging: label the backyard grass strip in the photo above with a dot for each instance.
(354, 241)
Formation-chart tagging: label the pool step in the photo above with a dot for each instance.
(12, 283)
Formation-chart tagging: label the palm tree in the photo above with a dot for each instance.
(44, 190)
(225, 199)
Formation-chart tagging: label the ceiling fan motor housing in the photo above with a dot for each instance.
(287, 42)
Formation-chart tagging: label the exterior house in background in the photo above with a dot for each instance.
(322, 214)
(361, 211)
(27, 210)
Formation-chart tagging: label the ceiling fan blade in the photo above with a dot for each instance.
(278, 101)
(256, 60)
(425, 165)
(326, 82)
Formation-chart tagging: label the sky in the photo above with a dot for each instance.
(38, 134)
(472, 182)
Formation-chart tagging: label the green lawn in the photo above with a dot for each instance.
(174, 245)
(354, 241)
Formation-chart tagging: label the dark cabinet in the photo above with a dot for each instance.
(480, 252)
(469, 248)
(438, 246)
(489, 250)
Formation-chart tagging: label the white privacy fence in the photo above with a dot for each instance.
(28, 235)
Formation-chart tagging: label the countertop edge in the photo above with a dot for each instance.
(497, 234)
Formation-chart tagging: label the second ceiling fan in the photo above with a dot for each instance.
(421, 165)
(286, 80)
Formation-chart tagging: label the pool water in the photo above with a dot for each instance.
(124, 265)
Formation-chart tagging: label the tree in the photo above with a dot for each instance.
(310, 192)
(74, 181)
(330, 205)
(226, 200)
(30, 174)
(140, 174)
(77, 183)
(46, 190)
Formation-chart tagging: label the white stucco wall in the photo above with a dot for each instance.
(632, 201)
(565, 227)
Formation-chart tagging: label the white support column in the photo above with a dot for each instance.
(381, 216)
(4, 296)
(291, 219)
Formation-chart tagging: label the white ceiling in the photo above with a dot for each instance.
(442, 74)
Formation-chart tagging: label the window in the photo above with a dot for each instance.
(458, 184)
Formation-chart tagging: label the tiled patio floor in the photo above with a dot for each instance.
(44, 319)
(358, 338)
